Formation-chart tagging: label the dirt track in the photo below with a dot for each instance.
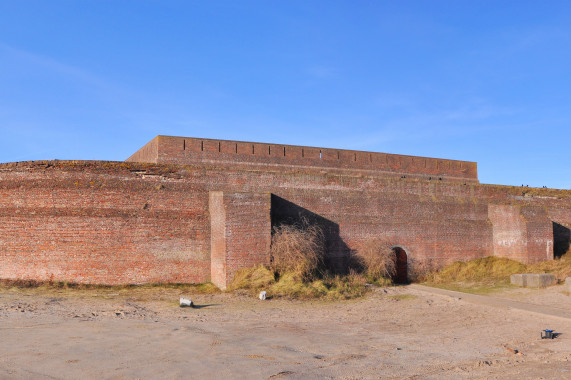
(392, 333)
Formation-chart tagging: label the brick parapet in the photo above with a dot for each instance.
(186, 150)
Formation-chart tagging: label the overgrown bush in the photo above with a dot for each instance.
(377, 260)
(297, 268)
(299, 249)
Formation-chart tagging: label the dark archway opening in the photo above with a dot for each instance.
(561, 239)
(401, 266)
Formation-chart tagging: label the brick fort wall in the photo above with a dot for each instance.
(202, 219)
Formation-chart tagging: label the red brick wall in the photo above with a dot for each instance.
(540, 234)
(240, 233)
(111, 222)
(522, 233)
(100, 223)
(186, 150)
(218, 252)
(509, 231)
(148, 153)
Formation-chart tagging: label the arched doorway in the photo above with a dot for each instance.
(401, 266)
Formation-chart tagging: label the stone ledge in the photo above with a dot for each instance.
(533, 280)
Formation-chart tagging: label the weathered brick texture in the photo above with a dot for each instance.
(240, 233)
(185, 150)
(139, 222)
(521, 233)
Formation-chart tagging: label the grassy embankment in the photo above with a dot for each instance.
(491, 273)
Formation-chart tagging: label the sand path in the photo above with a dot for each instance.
(400, 332)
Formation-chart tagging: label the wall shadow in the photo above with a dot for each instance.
(337, 253)
(561, 239)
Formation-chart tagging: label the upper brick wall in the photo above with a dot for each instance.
(186, 150)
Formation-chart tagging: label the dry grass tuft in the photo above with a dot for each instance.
(560, 267)
(297, 268)
(254, 278)
(489, 269)
(349, 286)
(497, 270)
(298, 248)
(377, 259)
(290, 285)
(62, 286)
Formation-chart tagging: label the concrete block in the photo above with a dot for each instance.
(533, 280)
(568, 284)
(541, 280)
(517, 279)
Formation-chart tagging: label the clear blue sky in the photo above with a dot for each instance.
(484, 81)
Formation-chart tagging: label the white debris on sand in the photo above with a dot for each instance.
(185, 302)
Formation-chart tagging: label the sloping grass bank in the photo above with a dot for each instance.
(491, 273)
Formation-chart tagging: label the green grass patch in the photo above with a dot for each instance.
(403, 297)
(473, 287)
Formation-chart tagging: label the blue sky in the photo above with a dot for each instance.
(484, 81)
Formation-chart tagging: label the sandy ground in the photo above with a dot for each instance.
(399, 332)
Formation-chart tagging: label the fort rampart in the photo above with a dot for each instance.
(195, 210)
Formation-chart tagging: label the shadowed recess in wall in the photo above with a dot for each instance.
(337, 253)
(561, 239)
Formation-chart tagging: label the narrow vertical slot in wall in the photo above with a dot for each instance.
(218, 146)
(202, 146)
(320, 154)
(183, 144)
